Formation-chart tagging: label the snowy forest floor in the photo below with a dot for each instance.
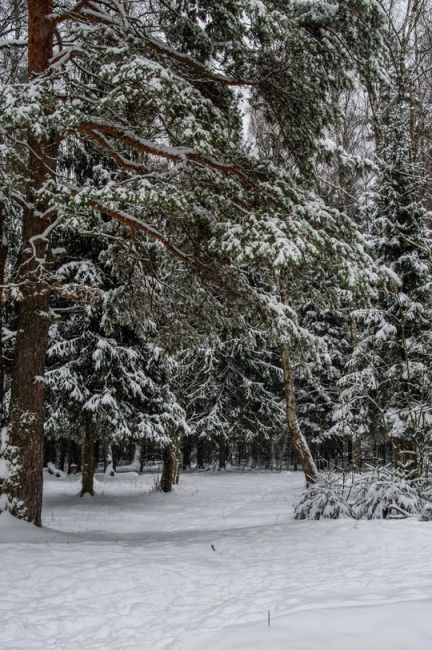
(134, 569)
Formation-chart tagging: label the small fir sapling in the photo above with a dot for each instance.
(324, 499)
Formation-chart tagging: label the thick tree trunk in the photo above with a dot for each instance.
(87, 456)
(298, 441)
(24, 453)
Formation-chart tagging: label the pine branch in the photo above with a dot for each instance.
(186, 154)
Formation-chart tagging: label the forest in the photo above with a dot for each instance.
(216, 244)
(216, 324)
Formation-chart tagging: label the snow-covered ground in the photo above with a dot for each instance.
(199, 569)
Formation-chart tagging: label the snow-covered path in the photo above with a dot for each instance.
(136, 570)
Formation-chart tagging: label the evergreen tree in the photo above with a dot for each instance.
(233, 395)
(386, 393)
(108, 381)
(386, 386)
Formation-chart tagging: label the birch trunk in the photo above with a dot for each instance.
(298, 441)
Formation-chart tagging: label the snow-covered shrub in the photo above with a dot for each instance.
(377, 492)
(426, 513)
(424, 489)
(324, 499)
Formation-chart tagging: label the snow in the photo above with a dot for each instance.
(134, 569)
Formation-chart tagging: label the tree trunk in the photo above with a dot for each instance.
(280, 452)
(200, 453)
(186, 452)
(222, 452)
(3, 258)
(61, 454)
(24, 453)
(108, 460)
(298, 441)
(87, 456)
(169, 470)
(357, 454)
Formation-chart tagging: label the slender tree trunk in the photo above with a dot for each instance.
(136, 461)
(61, 454)
(24, 453)
(357, 454)
(87, 456)
(222, 452)
(280, 449)
(3, 258)
(108, 460)
(186, 451)
(179, 459)
(200, 454)
(170, 467)
(298, 441)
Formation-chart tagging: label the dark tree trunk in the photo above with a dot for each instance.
(222, 452)
(87, 456)
(3, 258)
(61, 454)
(25, 449)
(50, 452)
(73, 457)
(280, 451)
(186, 452)
(200, 454)
(357, 454)
(169, 469)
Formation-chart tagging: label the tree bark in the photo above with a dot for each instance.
(87, 456)
(298, 441)
(3, 258)
(357, 454)
(24, 453)
(222, 452)
(169, 470)
(108, 460)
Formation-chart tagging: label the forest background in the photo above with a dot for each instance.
(216, 248)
